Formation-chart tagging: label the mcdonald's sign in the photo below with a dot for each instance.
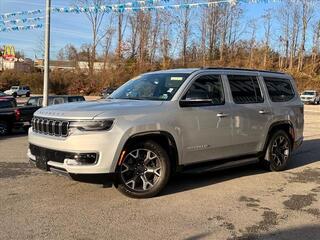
(8, 52)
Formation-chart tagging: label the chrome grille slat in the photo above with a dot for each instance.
(58, 128)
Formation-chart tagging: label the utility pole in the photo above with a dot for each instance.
(46, 54)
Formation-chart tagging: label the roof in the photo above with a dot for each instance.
(178, 70)
(191, 70)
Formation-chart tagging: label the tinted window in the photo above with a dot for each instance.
(7, 104)
(245, 89)
(280, 90)
(58, 100)
(207, 87)
(33, 102)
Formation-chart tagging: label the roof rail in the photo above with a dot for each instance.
(241, 69)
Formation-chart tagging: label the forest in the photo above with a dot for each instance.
(284, 39)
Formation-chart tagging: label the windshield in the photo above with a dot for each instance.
(154, 86)
(309, 93)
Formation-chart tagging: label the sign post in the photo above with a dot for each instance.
(46, 54)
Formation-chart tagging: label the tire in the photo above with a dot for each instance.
(4, 129)
(144, 171)
(28, 94)
(278, 152)
(14, 95)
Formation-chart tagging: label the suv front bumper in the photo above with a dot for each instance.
(58, 153)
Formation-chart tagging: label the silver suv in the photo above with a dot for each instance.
(175, 120)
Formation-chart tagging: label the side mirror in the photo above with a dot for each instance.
(195, 103)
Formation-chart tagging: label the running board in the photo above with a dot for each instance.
(215, 166)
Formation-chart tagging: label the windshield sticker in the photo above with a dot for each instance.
(176, 78)
(170, 90)
(164, 96)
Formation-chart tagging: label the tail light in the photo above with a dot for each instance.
(17, 114)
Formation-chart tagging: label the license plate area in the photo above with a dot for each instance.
(41, 161)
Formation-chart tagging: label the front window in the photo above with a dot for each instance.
(309, 93)
(15, 88)
(154, 86)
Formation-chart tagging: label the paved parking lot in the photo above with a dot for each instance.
(243, 203)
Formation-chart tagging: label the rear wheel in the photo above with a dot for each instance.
(144, 171)
(4, 128)
(278, 151)
(28, 94)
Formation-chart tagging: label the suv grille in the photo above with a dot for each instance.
(50, 127)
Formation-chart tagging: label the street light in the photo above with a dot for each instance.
(46, 54)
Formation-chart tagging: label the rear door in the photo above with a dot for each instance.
(251, 114)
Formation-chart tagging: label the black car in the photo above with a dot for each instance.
(10, 115)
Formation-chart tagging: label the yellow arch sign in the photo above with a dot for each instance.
(9, 51)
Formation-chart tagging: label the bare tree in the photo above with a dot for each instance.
(253, 27)
(307, 11)
(316, 45)
(267, 31)
(95, 18)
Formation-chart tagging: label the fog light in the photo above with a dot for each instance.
(82, 159)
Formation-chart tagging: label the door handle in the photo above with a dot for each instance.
(222, 115)
(262, 111)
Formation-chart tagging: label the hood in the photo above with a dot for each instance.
(8, 92)
(89, 110)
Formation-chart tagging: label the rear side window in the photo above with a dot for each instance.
(279, 89)
(7, 104)
(207, 87)
(245, 89)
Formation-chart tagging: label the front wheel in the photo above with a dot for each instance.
(144, 171)
(278, 151)
(28, 94)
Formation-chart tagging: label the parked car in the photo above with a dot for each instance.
(2, 94)
(310, 96)
(10, 115)
(19, 91)
(106, 92)
(191, 120)
(36, 101)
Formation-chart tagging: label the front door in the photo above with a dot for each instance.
(206, 129)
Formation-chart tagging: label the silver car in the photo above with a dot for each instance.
(162, 122)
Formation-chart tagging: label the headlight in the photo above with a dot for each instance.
(94, 125)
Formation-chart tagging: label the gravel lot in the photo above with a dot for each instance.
(243, 203)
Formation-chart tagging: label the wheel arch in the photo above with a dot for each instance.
(284, 125)
(163, 138)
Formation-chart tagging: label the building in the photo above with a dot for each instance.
(70, 65)
(20, 65)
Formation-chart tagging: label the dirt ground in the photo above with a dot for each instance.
(242, 203)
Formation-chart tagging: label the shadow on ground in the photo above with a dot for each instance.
(308, 153)
(299, 233)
